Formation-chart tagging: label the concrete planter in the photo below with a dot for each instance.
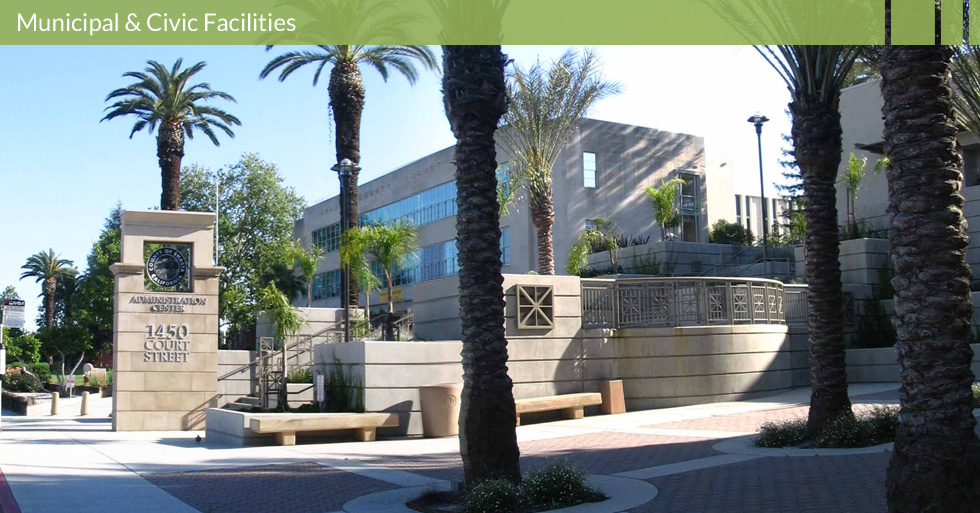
(440, 409)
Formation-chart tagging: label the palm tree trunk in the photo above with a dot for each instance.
(936, 462)
(474, 94)
(543, 217)
(170, 150)
(390, 318)
(50, 286)
(346, 91)
(817, 138)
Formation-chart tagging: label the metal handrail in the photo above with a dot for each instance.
(681, 301)
(306, 338)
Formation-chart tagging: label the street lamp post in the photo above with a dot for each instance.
(344, 169)
(758, 119)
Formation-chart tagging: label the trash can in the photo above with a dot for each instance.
(440, 409)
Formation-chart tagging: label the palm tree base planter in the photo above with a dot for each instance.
(865, 429)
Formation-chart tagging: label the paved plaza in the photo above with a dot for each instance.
(697, 459)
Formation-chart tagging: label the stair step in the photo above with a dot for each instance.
(254, 401)
(239, 406)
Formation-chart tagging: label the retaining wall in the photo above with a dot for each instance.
(238, 384)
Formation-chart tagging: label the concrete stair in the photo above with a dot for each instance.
(244, 404)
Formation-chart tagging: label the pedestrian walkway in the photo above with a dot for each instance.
(698, 458)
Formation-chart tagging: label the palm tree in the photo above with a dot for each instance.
(663, 199)
(286, 321)
(346, 89)
(814, 76)
(851, 178)
(163, 97)
(935, 465)
(307, 261)
(544, 108)
(353, 245)
(603, 235)
(391, 245)
(475, 98)
(46, 268)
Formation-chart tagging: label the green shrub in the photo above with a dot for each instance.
(492, 496)
(343, 390)
(557, 485)
(41, 370)
(724, 232)
(302, 375)
(16, 381)
(872, 427)
(782, 433)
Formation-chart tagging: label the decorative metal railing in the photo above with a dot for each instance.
(798, 309)
(681, 301)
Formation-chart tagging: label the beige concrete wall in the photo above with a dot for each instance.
(660, 367)
(149, 394)
(241, 381)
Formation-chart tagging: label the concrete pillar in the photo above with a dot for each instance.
(84, 410)
(54, 403)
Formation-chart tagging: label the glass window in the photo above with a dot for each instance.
(748, 212)
(503, 178)
(589, 169)
(423, 208)
(738, 209)
(327, 238)
(326, 285)
(505, 245)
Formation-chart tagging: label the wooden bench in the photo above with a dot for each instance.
(572, 406)
(286, 425)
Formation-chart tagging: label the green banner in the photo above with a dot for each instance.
(563, 22)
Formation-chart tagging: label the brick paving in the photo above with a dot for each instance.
(294, 488)
(821, 484)
(597, 453)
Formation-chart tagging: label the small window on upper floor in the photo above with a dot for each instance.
(589, 169)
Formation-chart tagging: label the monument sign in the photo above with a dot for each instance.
(165, 334)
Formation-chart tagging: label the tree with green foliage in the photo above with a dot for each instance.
(545, 105)
(603, 235)
(392, 246)
(852, 177)
(63, 343)
(724, 232)
(353, 248)
(307, 261)
(346, 88)
(46, 268)
(164, 97)
(256, 222)
(94, 297)
(24, 348)
(663, 199)
(286, 323)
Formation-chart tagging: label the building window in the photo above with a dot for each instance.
(738, 209)
(748, 212)
(438, 260)
(589, 169)
(327, 238)
(590, 224)
(425, 207)
(505, 245)
(326, 285)
(503, 179)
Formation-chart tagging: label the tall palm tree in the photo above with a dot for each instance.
(46, 268)
(814, 76)
(545, 105)
(353, 246)
(935, 465)
(164, 97)
(391, 246)
(346, 89)
(475, 98)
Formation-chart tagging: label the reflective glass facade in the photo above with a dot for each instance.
(326, 285)
(425, 207)
(327, 238)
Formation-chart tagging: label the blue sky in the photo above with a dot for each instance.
(62, 170)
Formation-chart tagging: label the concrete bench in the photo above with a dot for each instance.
(572, 406)
(285, 426)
